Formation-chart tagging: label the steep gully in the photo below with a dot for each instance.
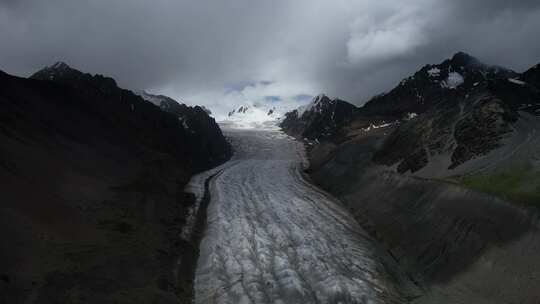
(272, 237)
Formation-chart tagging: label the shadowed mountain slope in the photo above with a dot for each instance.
(92, 196)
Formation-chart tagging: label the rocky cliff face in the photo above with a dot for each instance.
(92, 196)
(444, 170)
(447, 114)
(435, 84)
(320, 119)
(532, 76)
(461, 124)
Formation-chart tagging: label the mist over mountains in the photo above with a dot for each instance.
(244, 52)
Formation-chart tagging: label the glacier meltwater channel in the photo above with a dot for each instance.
(272, 237)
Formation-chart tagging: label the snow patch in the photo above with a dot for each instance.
(156, 100)
(517, 81)
(301, 110)
(159, 100)
(453, 81)
(411, 116)
(374, 126)
(434, 72)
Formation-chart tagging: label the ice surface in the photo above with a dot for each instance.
(272, 237)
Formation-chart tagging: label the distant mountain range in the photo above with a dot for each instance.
(461, 109)
(253, 115)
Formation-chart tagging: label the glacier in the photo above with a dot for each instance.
(273, 237)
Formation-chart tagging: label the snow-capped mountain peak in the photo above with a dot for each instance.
(317, 104)
(461, 74)
(453, 72)
(240, 110)
(253, 115)
(323, 116)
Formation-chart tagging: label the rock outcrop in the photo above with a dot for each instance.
(435, 84)
(320, 119)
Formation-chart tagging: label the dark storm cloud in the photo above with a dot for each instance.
(395, 45)
(222, 53)
(143, 43)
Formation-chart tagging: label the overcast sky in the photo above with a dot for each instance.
(228, 52)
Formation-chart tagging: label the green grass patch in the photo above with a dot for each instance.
(519, 185)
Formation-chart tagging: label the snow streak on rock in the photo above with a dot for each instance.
(274, 238)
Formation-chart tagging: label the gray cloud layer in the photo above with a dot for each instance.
(199, 50)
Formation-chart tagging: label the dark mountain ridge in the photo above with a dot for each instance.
(92, 196)
(319, 119)
(532, 76)
(460, 107)
(466, 122)
(444, 171)
(434, 84)
(144, 121)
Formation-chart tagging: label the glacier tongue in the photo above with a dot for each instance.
(274, 238)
